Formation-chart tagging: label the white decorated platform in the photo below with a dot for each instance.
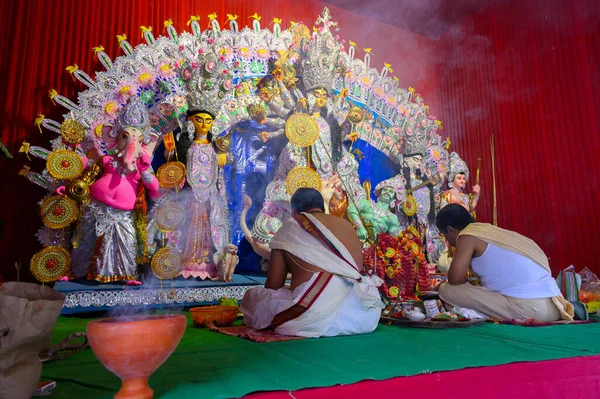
(89, 296)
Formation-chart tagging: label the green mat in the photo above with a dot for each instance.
(211, 365)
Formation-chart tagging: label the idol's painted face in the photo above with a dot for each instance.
(202, 122)
(460, 181)
(415, 162)
(386, 195)
(321, 96)
(129, 144)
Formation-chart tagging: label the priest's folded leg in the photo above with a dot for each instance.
(494, 304)
(334, 312)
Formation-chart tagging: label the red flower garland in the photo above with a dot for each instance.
(394, 262)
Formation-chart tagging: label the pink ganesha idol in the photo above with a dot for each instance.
(110, 239)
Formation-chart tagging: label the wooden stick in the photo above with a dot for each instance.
(495, 211)
(472, 195)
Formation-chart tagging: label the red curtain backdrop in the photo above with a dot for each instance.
(525, 71)
(528, 72)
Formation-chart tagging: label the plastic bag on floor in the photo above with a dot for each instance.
(590, 286)
(28, 313)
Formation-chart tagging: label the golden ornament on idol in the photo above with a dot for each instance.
(167, 263)
(171, 174)
(64, 164)
(58, 211)
(302, 177)
(50, 264)
(302, 130)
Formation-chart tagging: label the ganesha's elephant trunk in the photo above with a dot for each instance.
(130, 156)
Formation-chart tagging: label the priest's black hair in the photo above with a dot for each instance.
(305, 199)
(453, 215)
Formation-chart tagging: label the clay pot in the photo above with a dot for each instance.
(134, 347)
(220, 316)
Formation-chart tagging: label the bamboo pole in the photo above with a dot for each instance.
(495, 211)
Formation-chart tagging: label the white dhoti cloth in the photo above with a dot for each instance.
(339, 301)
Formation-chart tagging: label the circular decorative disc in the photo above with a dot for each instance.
(169, 216)
(72, 131)
(302, 177)
(409, 206)
(171, 174)
(59, 211)
(64, 164)
(50, 264)
(356, 114)
(394, 291)
(167, 263)
(300, 32)
(302, 130)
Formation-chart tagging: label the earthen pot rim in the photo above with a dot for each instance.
(136, 318)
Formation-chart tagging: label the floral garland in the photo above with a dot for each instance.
(411, 241)
(396, 261)
(386, 260)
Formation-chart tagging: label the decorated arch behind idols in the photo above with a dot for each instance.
(233, 122)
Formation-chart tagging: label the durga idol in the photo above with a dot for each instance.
(326, 156)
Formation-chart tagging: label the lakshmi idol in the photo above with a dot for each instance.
(206, 236)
